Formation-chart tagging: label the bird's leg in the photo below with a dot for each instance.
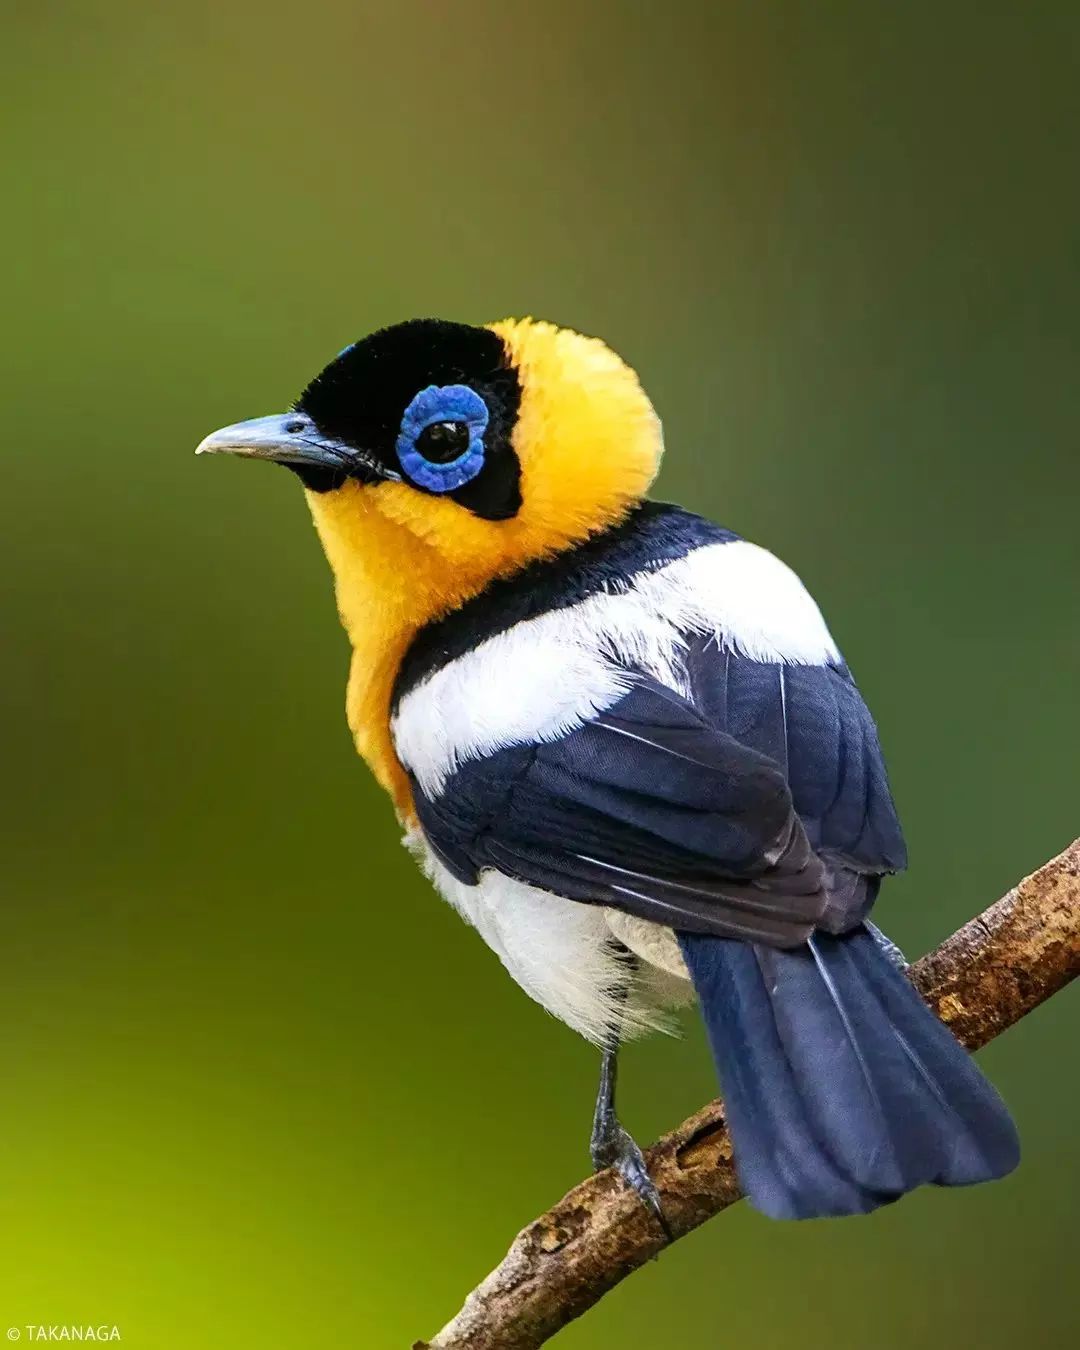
(610, 1145)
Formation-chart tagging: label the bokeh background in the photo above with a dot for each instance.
(262, 1088)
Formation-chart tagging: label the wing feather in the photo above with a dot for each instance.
(755, 806)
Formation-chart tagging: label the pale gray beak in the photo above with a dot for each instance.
(286, 438)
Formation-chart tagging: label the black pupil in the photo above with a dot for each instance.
(443, 441)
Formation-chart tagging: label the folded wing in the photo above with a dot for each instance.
(683, 808)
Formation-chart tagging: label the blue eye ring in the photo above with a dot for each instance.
(443, 403)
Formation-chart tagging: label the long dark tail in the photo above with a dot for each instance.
(843, 1090)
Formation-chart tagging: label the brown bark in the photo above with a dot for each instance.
(988, 975)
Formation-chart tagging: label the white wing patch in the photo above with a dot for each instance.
(745, 597)
(510, 690)
(547, 676)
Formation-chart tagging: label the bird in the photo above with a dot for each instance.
(622, 743)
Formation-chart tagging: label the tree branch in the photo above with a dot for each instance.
(980, 981)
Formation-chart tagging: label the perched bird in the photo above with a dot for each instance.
(627, 750)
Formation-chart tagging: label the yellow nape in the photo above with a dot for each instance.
(587, 438)
(588, 442)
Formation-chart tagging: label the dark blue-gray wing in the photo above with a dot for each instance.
(811, 721)
(656, 809)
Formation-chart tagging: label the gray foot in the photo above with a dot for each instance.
(611, 1146)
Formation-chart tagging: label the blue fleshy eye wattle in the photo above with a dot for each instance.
(441, 441)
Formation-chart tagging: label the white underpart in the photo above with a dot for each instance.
(546, 677)
(653, 943)
(560, 952)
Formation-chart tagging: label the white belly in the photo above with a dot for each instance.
(561, 952)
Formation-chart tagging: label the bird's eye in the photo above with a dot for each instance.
(441, 441)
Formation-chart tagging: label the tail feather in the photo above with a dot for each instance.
(973, 1118)
(843, 1091)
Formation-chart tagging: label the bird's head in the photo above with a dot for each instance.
(439, 456)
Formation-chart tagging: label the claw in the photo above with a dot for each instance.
(615, 1148)
(631, 1167)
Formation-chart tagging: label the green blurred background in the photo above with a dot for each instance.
(261, 1087)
